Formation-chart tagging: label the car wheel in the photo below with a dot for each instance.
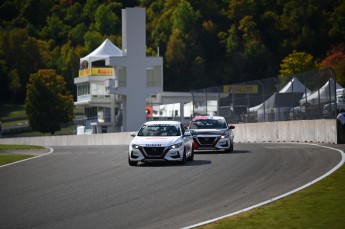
(191, 158)
(231, 147)
(184, 157)
(132, 163)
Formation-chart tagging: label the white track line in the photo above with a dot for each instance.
(50, 151)
(281, 196)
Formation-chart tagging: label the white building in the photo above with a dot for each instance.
(116, 87)
(113, 83)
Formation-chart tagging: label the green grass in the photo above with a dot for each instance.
(10, 158)
(67, 130)
(12, 123)
(12, 111)
(17, 112)
(19, 147)
(321, 205)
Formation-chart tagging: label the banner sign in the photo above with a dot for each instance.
(240, 89)
(96, 72)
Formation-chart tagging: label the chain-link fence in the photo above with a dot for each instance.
(308, 95)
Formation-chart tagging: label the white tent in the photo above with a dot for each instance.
(106, 50)
(293, 86)
(323, 95)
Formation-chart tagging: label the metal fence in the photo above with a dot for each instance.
(308, 95)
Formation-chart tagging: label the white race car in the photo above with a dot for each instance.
(161, 141)
(212, 133)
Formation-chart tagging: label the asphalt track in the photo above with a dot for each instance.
(93, 186)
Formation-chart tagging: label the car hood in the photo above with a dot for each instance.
(155, 140)
(208, 131)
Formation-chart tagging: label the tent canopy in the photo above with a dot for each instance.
(289, 95)
(294, 85)
(105, 50)
(326, 93)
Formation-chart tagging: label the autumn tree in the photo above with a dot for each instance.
(14, 84)
(182, 45)
(224, 41)
(48, 103)
(335, 58)
(296, 62)
(105, 19)
(20, 55)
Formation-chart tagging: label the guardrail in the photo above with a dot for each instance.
(318, 131)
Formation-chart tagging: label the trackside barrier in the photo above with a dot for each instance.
(317, 131)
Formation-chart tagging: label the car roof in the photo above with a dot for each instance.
(162, 122)
(203, 117)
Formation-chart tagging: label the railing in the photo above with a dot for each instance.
(308, 95)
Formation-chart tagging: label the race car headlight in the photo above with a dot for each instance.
(178, 145)
(134, 146)
(224, 136)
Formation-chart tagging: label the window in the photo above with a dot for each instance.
(121, 76)
(83, 89)
(101, 114)
(160, 130)
(98, 89)
(83, 92)
(154, 77)
(91, 113)
(107, 115)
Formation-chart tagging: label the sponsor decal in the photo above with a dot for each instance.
(96, 72)
(240, 89)
(153, 145)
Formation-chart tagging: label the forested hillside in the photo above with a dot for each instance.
(204, 43)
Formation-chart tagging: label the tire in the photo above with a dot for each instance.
(184, 158)
(132, 163)
(191, 158)
(231, 148)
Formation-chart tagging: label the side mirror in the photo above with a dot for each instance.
(133, 134)
(231, 127)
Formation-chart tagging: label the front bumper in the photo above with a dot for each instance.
(205, 142)
(156, 154)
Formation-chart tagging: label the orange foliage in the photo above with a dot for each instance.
(334, 56)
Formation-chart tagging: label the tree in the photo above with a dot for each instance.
(89, 10)
(92, 40)
(294, 63)
(47, 102)
(55, 29)
(337, 21)
(14, 84)
(336, 60)
(105, 19)
(76, 35)
(176, 49)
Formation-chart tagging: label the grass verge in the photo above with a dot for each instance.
(321, 205)
(19, 147)
(10, 158)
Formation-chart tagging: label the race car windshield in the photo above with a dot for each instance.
(159, 130)
(208, 124)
